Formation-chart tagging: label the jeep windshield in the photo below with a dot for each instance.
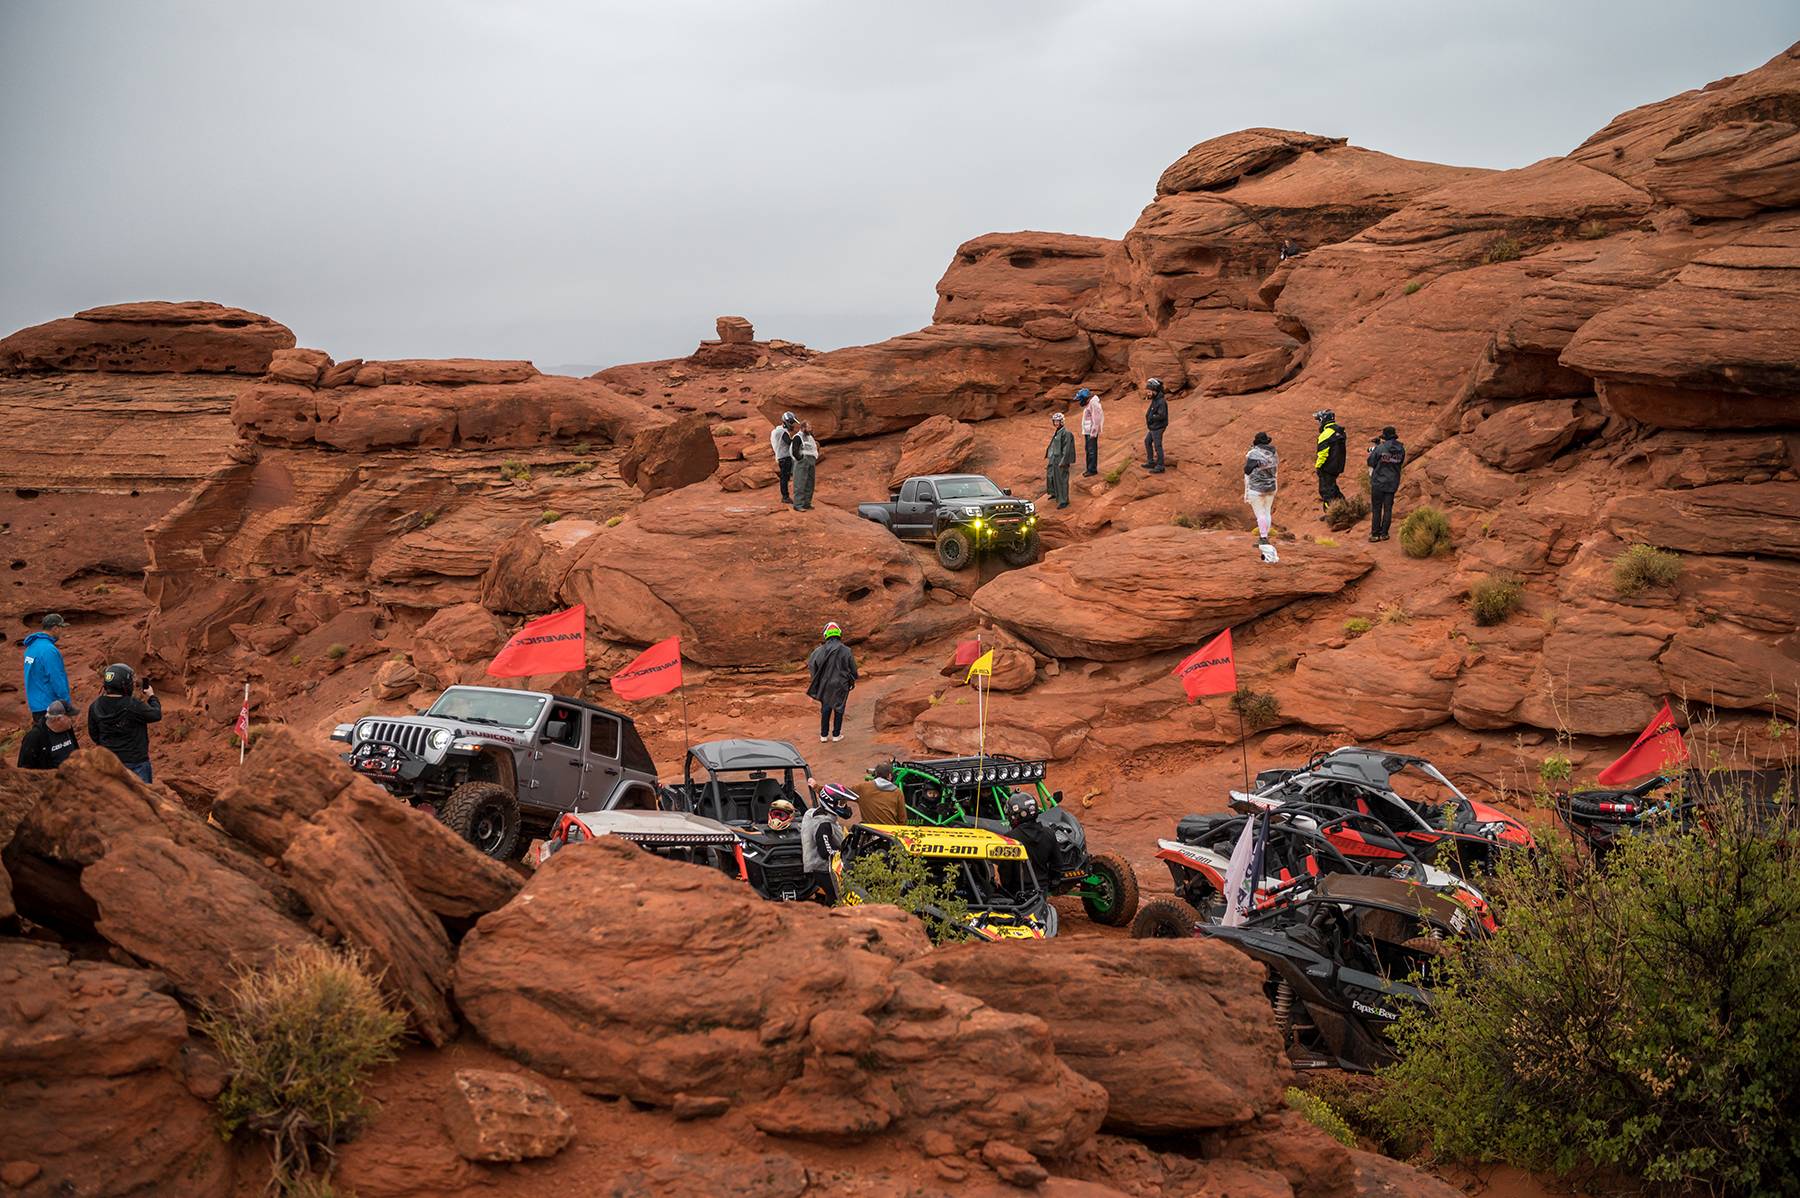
(968, 488)
(508, 710)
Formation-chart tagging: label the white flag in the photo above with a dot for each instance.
(1235, 871)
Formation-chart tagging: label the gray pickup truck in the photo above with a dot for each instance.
(963, 514)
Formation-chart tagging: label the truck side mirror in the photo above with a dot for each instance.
(893, 497)
(1006, 490)
(556, 730)
(1057, 797)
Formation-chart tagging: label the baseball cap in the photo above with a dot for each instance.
(58, 708)
(55, 621)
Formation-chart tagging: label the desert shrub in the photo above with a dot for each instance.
(1412, 288)
(1641, 567)
(336, 651)
(905, 879)
(178, 733)
(1495, 597)
(428, 520)
(1283, 662)
(1326, 541)
(299, 1041)
(581, 449)
(1258, 708)
(1507, 249)
(1182, 520)
(551, 516)
(1319, 1113)
(1343, 513)
(297, 659)
(614, 521)
(1593, 231)
(1425, 532)
(1113, 476)
(1635, 1016)
(1356, 626)
(1555, 768)
(1393, 613)
(722, 430)
(511, 469)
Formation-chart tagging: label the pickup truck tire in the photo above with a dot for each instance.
(486, 815)
(1023, 551)
(954, 549)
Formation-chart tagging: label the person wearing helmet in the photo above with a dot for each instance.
(1039, 841)
(121, 722)
(781, 442)
(821, 837)
(1092, 421)
(1058, 458)
(48, 745)
(1156, 420)
(1330, 460)
(45, 678)
(832, 667)
(781, 815)
(805, 453)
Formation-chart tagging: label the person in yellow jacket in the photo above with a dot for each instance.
(1330, 460)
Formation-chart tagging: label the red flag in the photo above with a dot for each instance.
(1656, 748)
(657, 671)
(967, 652)
(242, 727)
(1211, 670)
(548, 645)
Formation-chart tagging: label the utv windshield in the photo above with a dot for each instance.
(967, 488)
(502, 708)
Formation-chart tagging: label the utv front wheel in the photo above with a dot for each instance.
(954, 549)
(486, 816)
(1110, 890)
(1023, 551)
(1164, 919)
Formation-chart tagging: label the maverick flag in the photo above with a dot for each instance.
(549, 645)
(1210, 671)
(967, 652)
(657, 671)
(1657, 748)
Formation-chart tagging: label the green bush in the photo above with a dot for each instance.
(1495, 597)
(511, 469)
(1593, 231)
(1343, 513)
(722, 430)
(551, 516)
(1412, 288)
(1555, 768)
(1506, 249)
(1327, 542)
(1318, 1112)
(1258, 708)
(1393, 613)
(1356, 626)
(1641, 567)
(1425, 532)
(1639, 1017)
(902, 877)
(1113, 476)
(1182, 521)
(581, 449)
(299, 1041)
(337, 651)
(614, 521)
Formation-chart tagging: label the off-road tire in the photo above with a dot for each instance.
(1022, 552)
(1116, 878)
(1164, 919)
(954, 549)
(486, 815)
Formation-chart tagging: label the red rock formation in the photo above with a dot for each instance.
(670, 456)
(937, 445)
(184, 338)
(1020, 279)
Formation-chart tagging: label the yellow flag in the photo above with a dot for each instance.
(983, 665)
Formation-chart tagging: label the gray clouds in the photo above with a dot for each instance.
(594, 182)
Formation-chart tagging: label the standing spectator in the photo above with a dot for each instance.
(833, 670)
(119, 722)
(1061, 456)
(48, 744)
(1092, 421)
(1330, 462)
(1386, 457)
(1259, 484)
(45, 678)
(780, 439)
(1156, 419)
(805, 453)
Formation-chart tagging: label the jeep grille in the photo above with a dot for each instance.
(410, 737)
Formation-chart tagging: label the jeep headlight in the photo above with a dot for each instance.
(1031, 509)
(440, 739)
(971, 511)
(365, 730)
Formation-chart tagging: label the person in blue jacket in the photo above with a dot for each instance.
(46, 680)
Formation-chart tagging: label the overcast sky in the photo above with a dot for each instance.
(592, 182)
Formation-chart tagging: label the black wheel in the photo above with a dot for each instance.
(486, 816)
(1164, 919)
(1113, 890)
(1023, 551)
(954, 549)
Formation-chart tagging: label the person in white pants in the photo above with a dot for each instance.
(1259, 484)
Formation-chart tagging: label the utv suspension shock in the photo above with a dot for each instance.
(1284, 1009)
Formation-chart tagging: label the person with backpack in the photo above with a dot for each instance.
(780, 442)
(1092, 421)
(48, 745)
(833, 669)
(1156, 420)
(805, 455)
(1386, 457)
(1059, 458)
(120, 722)
(1330, 460)
(1259, 484)
(46, 680)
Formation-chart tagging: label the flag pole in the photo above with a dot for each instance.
(1243, 751)
(243, 741)
(684, 723)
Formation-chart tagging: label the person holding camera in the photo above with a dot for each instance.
(119, 721)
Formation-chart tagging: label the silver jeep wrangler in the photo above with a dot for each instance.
(489, 762)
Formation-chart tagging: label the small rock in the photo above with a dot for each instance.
(705, 1106)
(19, 1174)
(950, 1170)
(495, 1116)
(1014, 1164)
(939, 1143)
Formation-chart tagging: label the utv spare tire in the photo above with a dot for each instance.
(1164, 919)
(485, 815)
(954, 549)
(1023, 551)
(1110, 890)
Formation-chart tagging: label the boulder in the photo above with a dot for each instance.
(90, 1082)
(179, 338)
(1042, 275)
(670, 455)
(1316, 1165)
(1220, 161)
(801, 1015)
(528, 571)
(1750, 518)
(1036, 729)
(302, 366)
(1383, 682)
(963, 371)
(657, 575)
(1598, 674)
(395, 680)
(1527, 435)
(735, 330)
(1732, 169)
(504, 1116)
(937, 445)
(456, 645)
(1179, 1032)
(1719, 665)
(1155, 588)
(899, 707)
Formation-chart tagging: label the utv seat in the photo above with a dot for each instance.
(767, 791)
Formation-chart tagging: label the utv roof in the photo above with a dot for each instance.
(1370, 767)
(1390, 893)
(747, 755)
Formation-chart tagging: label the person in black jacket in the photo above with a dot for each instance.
(1386, 457)
(1330, 460)
(833, 669)
(119, 722)
(48, 745)
(1156, 419)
